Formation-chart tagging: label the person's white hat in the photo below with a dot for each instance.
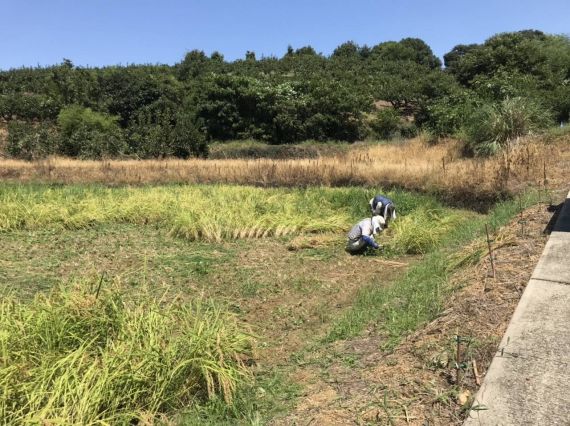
(378, 223)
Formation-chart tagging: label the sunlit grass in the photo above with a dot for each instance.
(72, 357)
(414, 165)
(419, 294)
(197, 212)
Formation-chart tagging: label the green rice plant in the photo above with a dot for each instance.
(71, 357)
(422, 231)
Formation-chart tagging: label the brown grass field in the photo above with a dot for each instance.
(413, 165)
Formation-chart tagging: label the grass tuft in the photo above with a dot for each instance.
(422, 231)
(71, 357)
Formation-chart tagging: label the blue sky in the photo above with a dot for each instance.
(109, 32)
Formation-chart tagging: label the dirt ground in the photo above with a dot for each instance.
(320, 284)
(355, 382)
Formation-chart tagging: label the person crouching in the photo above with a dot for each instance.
(383, 206)
(361, 236)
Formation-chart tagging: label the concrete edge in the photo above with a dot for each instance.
(523, 390)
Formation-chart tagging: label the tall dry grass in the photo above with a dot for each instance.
(413, 165)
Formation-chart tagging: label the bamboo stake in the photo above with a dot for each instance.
(490, 251)
(458, 360)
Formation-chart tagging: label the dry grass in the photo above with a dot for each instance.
(411, 165)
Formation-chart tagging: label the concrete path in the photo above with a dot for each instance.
(528, 382)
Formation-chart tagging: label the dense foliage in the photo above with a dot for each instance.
(158, 110)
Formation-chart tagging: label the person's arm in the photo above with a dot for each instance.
(370, 241)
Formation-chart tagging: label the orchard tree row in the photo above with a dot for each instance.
(511, 84)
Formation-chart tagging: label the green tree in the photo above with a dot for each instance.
(194, 65)
(163, 129)
(89, 134)
(31, 141)
(408, 50)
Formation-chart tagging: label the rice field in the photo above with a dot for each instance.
(84, 356)
(199, 283)
(209, 213)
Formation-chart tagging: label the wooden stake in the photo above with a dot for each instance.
(458, 360)
(490, 251)
(476, 373)
(99, 286)
(521, 220)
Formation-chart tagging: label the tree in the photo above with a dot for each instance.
(408, 50)
(194, 65)
(348, 50)
(452, 58)
(126, 90)
(89, 134)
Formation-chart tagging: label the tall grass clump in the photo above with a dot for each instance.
(422, 231)
(493, 126)
(70, 357)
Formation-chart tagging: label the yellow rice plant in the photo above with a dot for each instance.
(210, 213)
(422, 231)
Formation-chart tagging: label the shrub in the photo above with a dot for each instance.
(74, 358)
(73, 117)
(89, 134)
(89, 143)
(28, 141)
(187, 140)
(386, 123)
(408, 130)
